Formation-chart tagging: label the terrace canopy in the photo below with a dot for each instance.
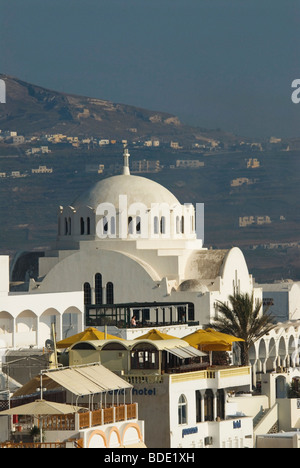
(80, 381)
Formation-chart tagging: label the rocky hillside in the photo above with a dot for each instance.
(31, 109)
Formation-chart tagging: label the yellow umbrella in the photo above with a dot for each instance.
(87, 335)
(224, 336)
(206, 341)
(156, 335)
(40, 408)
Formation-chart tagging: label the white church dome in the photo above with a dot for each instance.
(126, 207)
(137, 189)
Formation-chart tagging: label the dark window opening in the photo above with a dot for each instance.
(81, 226)
(109, 293)
(87, 294)
(98, 288)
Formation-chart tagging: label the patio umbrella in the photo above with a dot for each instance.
(223, 336)
(40, 408)
(156, 335)
(87, 335)
(207, 341)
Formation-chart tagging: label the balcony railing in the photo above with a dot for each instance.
(71, 422)
(109, 415)
(214, 373)
(64, 422)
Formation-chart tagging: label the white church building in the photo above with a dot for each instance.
(127, 246)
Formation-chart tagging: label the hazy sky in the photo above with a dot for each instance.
(214, 63)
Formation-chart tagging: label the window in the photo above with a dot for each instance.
(182, 224)
(155, 225)
(163, 225)
(209, 405)
(130, 225)
(221, 404)
(109, 293)
(105, 224)
(81, 226)
(66, 226)
(98, 288)
(87, 294)
(182, 410)
(268, 301)
(144, 356)
(138, 225)
(198, 406)
(191, 312)
(70, 226)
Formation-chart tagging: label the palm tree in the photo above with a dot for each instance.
(243, 318)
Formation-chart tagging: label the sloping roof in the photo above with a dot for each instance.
(79, 380)
(206, 264)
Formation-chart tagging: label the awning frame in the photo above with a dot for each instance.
(82, 380)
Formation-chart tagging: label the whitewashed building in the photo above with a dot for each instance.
(128, 239)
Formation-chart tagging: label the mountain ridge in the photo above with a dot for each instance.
(32, 109)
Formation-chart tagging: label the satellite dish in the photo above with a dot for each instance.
(49, 344)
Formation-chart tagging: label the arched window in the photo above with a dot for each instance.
(182, 224)
(138, 225)
(182, 410)
(66, 226)
(81, 226)
(98, 288)
(87, 293)
(130, 225)
(109, 293)
(88, 226)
